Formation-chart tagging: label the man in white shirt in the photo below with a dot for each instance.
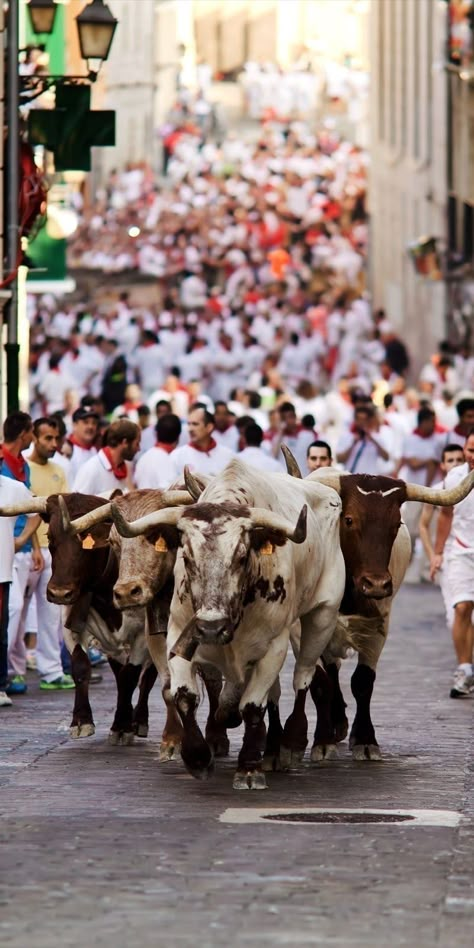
(110, 468)
(459, 522)
(225, 432)
(155, 468)
(252, 452)
(363, 447)
(419, 465)
(11, 492)
(292, 434)
(84, 432)
(202, 455)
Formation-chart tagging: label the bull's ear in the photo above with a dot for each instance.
(116, 493)
(97, 537)
(264, 539)
(164, 538)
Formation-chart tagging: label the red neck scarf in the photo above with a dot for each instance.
(75, 441)
(120, 472)
(16, 464)
(165, 447)
(197, 447)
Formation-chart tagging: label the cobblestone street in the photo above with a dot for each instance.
(104, 846)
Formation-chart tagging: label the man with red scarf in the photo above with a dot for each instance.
(85, 421)
(110, 469)
(202, 455)
(18, 435)
(155, 469)
(47, 478)
(465, 410)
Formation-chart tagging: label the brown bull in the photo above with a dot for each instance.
(376, 547)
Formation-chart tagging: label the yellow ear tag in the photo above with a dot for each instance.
(160, 545)
(267, 549)
(88, 542)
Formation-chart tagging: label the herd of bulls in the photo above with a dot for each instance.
(213, 581)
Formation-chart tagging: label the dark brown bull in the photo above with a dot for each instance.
(376, 547)
(84, 570)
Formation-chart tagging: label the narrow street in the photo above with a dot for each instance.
(103, 845)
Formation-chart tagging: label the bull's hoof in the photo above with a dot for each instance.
(290, 759)
(220, 746)
(340, 731)
(81, 730)
(271, 763)
(198, 772)
(169, 750)
(125, 738)
(323, 752)
(249, 780)
(366, 752)
(141, 730)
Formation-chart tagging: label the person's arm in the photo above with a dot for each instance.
(342, 456)
(442, 533)
(37, 556)
(424, 529)
(29, 529)
(380, 449)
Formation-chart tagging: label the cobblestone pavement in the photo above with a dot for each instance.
(104, 846)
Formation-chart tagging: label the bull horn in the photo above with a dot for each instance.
(292, 465)
(65, 518)
(167, 516)
(192, 485)
(176, 498)
(442, 498)
(32, 506)
(328, 478)
(90, 519)
(261, 517)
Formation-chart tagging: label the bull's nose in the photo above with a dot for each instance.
(127, 593)
(376, 587)
(212, 629)
(61, 595)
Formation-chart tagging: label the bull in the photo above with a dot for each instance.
(84, 571)
(376, 547)
(144, 582)
(253, 555)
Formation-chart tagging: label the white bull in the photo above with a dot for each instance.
(239, 587)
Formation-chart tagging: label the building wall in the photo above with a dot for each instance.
(408, 162)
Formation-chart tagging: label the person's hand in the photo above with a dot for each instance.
(37, 561)
(436, 563)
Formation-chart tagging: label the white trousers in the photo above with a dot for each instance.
(16, 640)
(50, 629)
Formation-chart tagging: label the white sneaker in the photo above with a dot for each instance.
(5, 701)
(462, 686)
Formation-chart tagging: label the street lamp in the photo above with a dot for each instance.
(42, 15)
(96, 27)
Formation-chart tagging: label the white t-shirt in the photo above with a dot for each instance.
(364, 457)
(425, 449)
(79, 457)
(96, 476)
(11, 492)
(259, 459)
(200, 462)
(154, 470)
(462, 529)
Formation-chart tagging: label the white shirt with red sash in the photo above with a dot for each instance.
(155, 468)
(98, 475)
(199, 461)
